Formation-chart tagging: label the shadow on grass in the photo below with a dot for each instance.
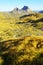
(8, 60)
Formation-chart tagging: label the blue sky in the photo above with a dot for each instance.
(8, 5)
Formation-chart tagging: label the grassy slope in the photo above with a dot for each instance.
(27, 50)
(9, 27)
(14, 43)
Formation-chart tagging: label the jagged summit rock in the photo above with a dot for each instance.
(16, 9)
(21, 12)
(25, 8)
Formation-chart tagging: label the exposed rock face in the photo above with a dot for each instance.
(28, 50)
(20, 12)
(25, 8)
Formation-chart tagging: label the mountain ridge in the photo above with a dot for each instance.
(41, 11)
(23, 11)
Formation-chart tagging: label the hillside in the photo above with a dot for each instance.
(27, 50)
(26, 25)
(21, 37)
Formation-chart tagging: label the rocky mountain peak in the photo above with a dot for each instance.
(25, 8)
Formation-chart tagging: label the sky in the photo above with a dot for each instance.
(9, 5)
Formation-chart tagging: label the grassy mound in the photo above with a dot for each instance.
(24, 51)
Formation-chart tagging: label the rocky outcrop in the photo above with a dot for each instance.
(20, 12)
